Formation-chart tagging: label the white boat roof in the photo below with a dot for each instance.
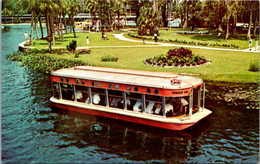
(130, 77)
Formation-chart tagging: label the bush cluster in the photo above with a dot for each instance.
(192, 32)
(184, 41)
(254, 66)
(60, 52)
(40, 63)
(72, 45)
(177, 57)
(109, 58)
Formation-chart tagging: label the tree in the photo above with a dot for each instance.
(118, 9)
(215, 11)
(149, 19)
(73, 6)
(91, 7)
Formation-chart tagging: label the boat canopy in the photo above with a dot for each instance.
(162, 80)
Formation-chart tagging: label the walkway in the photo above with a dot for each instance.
(121, 37)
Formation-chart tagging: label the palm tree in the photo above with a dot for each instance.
(47, 7)
(118, 9)
(149, 19)
(91, 7)
(74, 6)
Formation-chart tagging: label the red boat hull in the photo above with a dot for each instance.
(164, 125)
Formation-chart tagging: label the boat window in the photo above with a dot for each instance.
(82, 82)
(115, 99)
(55, 90)
(67, 91)
(98, 96)
(197, 99)
(176, 106)
(156, 91)
(134, 101)
(153, 104)
(81, 94)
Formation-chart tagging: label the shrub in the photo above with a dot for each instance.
(72, 45)
(254, 66)
(177, 57)
(76, 54)
(45, 64)
(109, 58)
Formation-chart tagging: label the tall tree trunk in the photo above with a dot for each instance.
(70, 23)
(61, 30)
(58, 25)
(256, 22)
(118, 17)
(227, 32)
(185, 25)
(48, 26)
(52, 27)
(73, 27)
(65, 23)
(31, 37)
(36, 28)
(40, 22)
(250, 23)
(164, 15)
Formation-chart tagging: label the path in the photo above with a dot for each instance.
(121, 37)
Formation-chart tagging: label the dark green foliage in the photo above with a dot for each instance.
(41, 63)
(76, 54)
(183, 41)
(109, 58)
(72, 45)
(176, 57)
(254, 66)
(60, 52)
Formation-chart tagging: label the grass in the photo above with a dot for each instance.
(226, 66)
(94, 40)
(240, 40)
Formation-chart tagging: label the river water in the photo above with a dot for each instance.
(32, 132)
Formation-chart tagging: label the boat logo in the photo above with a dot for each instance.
(175, 81)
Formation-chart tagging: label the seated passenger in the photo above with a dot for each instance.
(96, 99)
(137, 106)
(117, 102)
(78, 95)
(184, 105)
(169, 110)
(158, 109)
(149, 108)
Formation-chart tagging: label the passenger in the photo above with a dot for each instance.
(169, 110)
(96, 99)
(149, 108)
(137, 106)
(117, 102)
(158, 109)
(184, 105)
(78, 95)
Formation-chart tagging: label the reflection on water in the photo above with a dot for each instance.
(33, 132)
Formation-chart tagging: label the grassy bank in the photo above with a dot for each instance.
(226, 66)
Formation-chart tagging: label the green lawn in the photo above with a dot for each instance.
(240, 39)
(226, 66)
(94, 39)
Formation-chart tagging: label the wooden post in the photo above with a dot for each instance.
(163, 106)
(191, 102)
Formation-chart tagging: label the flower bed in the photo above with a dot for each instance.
(180, 57)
